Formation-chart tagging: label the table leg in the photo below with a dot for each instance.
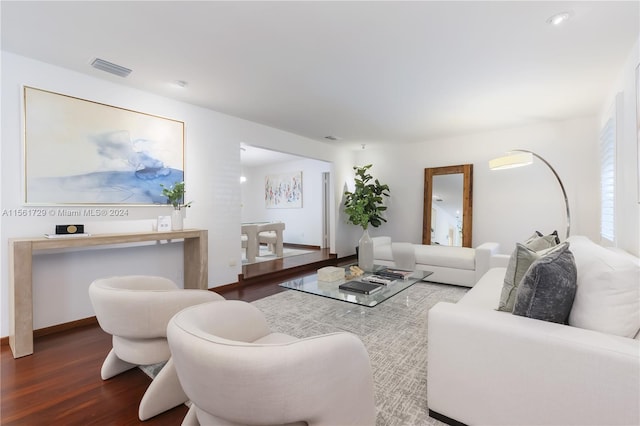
(196, 261)
(20, 299)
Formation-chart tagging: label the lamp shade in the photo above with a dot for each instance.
(511, 160)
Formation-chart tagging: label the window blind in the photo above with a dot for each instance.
(608, 177)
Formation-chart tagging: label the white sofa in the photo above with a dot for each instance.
(450, 265)
(495, 368)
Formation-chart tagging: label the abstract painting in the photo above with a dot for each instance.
(283, 191)
(83, 152)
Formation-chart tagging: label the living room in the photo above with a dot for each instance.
(507, 206)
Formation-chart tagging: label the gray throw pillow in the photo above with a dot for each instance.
(519, 262)
(547, 290)
(538, 241)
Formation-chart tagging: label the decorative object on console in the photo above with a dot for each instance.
(164, 224)
(364, 206)
(69, 229)
(175, 197)
(521, 157)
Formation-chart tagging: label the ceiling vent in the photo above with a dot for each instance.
(110, 67)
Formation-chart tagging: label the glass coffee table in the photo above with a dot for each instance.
(310, 284)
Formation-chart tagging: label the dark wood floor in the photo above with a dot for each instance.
(60, 383)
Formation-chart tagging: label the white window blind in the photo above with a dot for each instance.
(608, 177)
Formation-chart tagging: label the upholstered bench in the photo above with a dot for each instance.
(271, 235)
(450, 265)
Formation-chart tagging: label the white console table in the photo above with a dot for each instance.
(196, 272)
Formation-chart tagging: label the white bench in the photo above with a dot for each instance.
(450, 265)
(271, 235)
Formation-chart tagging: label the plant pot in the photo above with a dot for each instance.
(176, 220)
(365, 252)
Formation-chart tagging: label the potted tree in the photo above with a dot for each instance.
(175, 197)
(364, 206)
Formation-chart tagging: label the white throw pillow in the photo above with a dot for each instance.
(608, 294)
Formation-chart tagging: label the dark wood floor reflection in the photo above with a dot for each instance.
(258, 279)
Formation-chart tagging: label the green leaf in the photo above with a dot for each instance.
(364, 205)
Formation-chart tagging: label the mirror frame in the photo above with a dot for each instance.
(467, 200)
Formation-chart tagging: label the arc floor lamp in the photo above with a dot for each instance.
(521, 157)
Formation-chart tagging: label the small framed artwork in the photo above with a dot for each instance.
(78, 151)
(283, 191)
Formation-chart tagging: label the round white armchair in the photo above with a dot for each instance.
(135, 310)
(236, 372)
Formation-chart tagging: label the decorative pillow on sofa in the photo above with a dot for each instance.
(538, 241)
(519, 262)
(547, 290)
(608, 295)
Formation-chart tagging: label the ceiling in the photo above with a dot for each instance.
(363, 71)
(251, 156)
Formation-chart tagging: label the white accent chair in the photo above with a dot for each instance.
(271, 234)
(249, 241)
(135, 310)
(237, 372)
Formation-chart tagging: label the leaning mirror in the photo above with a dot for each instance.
(447, 214)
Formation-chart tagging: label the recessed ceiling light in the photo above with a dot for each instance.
(181, 83)
(559, 18)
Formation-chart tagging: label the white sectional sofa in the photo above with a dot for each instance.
(450, 265)
(487, 367)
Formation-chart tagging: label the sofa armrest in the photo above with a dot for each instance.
(490, 367)
(484, 252)
(499, 261)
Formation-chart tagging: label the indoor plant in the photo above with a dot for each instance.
(175, 197)
(364, 206)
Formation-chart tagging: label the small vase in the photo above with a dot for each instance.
(176, 220)
(365, 252)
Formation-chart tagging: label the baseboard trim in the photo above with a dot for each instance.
(59, 328)
(301, 246)
(445, 419)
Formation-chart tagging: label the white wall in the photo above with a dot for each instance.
(508, 205)
(302, 225)
(212, 172)
(627, 155)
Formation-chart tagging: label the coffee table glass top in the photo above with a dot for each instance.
(310, 284)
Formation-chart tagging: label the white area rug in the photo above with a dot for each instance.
(266, 255)
(394, 333)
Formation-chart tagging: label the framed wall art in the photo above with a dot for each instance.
(83, 152)
(283, 191)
